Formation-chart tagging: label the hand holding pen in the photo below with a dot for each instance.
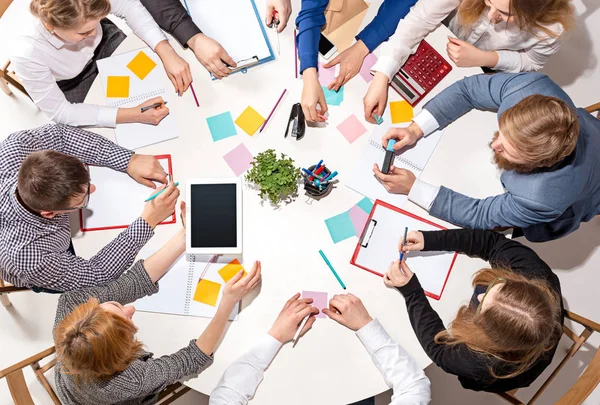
(412, 242)
(295, 319)
(149, 112)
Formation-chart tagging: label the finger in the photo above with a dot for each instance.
(334, 61)
(226, 58)
(312, 113)
(336, 83)
(369, 111)
(456, 41)
(308, 325)
(235, 278)
(174, 81)
(215, 71)
(323, 105)
(387, 281)
(337, 304)
(284, 17)
(406, 269)
(187, 78)
(299, 304)
(147, 183)
(403, 143)
(386, 178)
(289, 302)
(304, 312)
(222, 68)
(269, 15)
(154, 101)
(333, 315)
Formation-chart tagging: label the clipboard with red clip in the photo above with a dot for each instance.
(118, 199)
(378, 246)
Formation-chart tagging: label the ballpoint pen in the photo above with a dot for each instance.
(297, 335)
(155, 105)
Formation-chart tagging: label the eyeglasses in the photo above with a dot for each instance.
(86, 201)
(495, 281)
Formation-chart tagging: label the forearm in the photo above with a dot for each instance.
(385, 22)
(172, 16)
(212, 334)
(310, 21)
(158, 264)
(140, 21)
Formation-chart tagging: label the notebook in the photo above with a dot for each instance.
(378, 246)
(180, 292)
(235, 24)
(142, 85)
(118, 199)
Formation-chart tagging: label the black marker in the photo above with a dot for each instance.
(389, 156)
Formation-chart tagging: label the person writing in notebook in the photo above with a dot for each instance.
(172, 16)
(311, 20)
(508, 333)
(99, 359)
(55, 59)
(43, 179)
(498, 35)
(401, 372)
(547, 150)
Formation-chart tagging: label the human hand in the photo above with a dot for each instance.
(284, 10)
(376, 98)
(414, 242)
(294, 311)
(404, 136)
(238, 286)
(348, 310)
(153, 116)
(398, 181)
(312, 96)
(211, 55)
(350, 62)
(398, 274)
(176, 67)
(161, 207)
(463, 54)
(182, 214)
(146, 168)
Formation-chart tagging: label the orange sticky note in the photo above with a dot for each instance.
(250, 120)
(207, 292)
(141, 65)
(117, 86)
(401, 111)
(231, 270)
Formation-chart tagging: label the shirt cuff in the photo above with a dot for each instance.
(427, 122)
(412, 287)
(386, 65)
(423, 194)
(266, 350)
(153, 36)
(107, 116)
(508, 61)
(184, 31)
(140, 232)
(373, 336)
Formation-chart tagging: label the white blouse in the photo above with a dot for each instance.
(40, 59)
(518, 51)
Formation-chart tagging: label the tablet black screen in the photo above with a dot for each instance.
(213, 216)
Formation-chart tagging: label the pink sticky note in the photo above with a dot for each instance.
(359, 219)
(239, 159)
(326, 76)
(319, 301)
(365, 70)
(351, 128)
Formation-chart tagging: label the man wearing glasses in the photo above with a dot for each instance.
(43, 178)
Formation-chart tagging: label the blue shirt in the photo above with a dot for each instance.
(311, 20)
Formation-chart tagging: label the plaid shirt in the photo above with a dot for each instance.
(33, 249)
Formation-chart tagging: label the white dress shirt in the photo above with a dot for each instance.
(40, 59)
(518, 51)
(400, 371)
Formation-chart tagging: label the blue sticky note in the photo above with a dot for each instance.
(366, 205)
(340, 227)
(221, 126)
(332, 97)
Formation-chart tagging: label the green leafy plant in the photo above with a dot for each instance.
(276, 178)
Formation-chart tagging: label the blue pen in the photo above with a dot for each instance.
(318, 165)
(330, 176)
(312, 174)
(403, 242)
(332, 269)
(153, 196)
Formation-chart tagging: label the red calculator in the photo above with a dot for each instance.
(421, 72)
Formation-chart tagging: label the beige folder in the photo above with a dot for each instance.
(344, 18)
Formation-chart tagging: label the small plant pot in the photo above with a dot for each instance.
(313, 191)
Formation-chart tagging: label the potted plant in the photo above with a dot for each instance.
(276, 178)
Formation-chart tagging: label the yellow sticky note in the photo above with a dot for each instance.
(401, 111)
(250, 120)
(231, 270)
(117, 86)
(207, 292)
(141, 65)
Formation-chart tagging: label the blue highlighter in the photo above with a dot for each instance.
(378, 119)
(389, 157)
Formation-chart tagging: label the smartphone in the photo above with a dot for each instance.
(326, 48)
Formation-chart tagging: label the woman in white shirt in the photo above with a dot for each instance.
(501, 35)
(56, 58)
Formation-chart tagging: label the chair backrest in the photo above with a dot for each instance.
(8, 288)
(594, 108)
(587, 382)
(16, 380)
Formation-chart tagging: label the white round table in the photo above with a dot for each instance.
(329, 364)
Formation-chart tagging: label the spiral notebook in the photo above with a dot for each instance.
(180, 291)
(137, 82)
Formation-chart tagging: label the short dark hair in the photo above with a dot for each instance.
(48, 180)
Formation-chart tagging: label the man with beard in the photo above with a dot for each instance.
(547, 149)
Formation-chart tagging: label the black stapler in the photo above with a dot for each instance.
(296, 122)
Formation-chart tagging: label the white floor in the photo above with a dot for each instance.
(25, 328)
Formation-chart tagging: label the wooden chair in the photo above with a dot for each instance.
(594, 108)
(8, 288)
(7, 77)
(590, 378)
(21, 395)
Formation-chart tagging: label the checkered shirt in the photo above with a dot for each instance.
(33, 249)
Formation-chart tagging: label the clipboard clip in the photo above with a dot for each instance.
(244, 64)
(372, 224)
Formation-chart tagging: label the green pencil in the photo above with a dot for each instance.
(332, 269)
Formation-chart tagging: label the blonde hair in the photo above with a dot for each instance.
(522, 325)
(69, 13)
(543, 129)
(94, 344)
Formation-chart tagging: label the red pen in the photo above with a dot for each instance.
(318, 171)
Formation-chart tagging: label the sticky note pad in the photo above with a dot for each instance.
(332, 97)
(401, 111)
(250, 120)
(207, 292)
(319, 301)
(359, 219)
(221, 126)
(351, 128)
(141, 65)
(340, 227)
(365, 69)
(239, 159)
(117, 86)
(326, 76)
(231, 270)
(366, 204)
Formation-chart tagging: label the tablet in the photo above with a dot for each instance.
(214, 216)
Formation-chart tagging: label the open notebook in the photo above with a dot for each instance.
(129, 79)
(182, 293)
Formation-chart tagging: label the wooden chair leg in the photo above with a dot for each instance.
(4, 87)
(4, 300)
